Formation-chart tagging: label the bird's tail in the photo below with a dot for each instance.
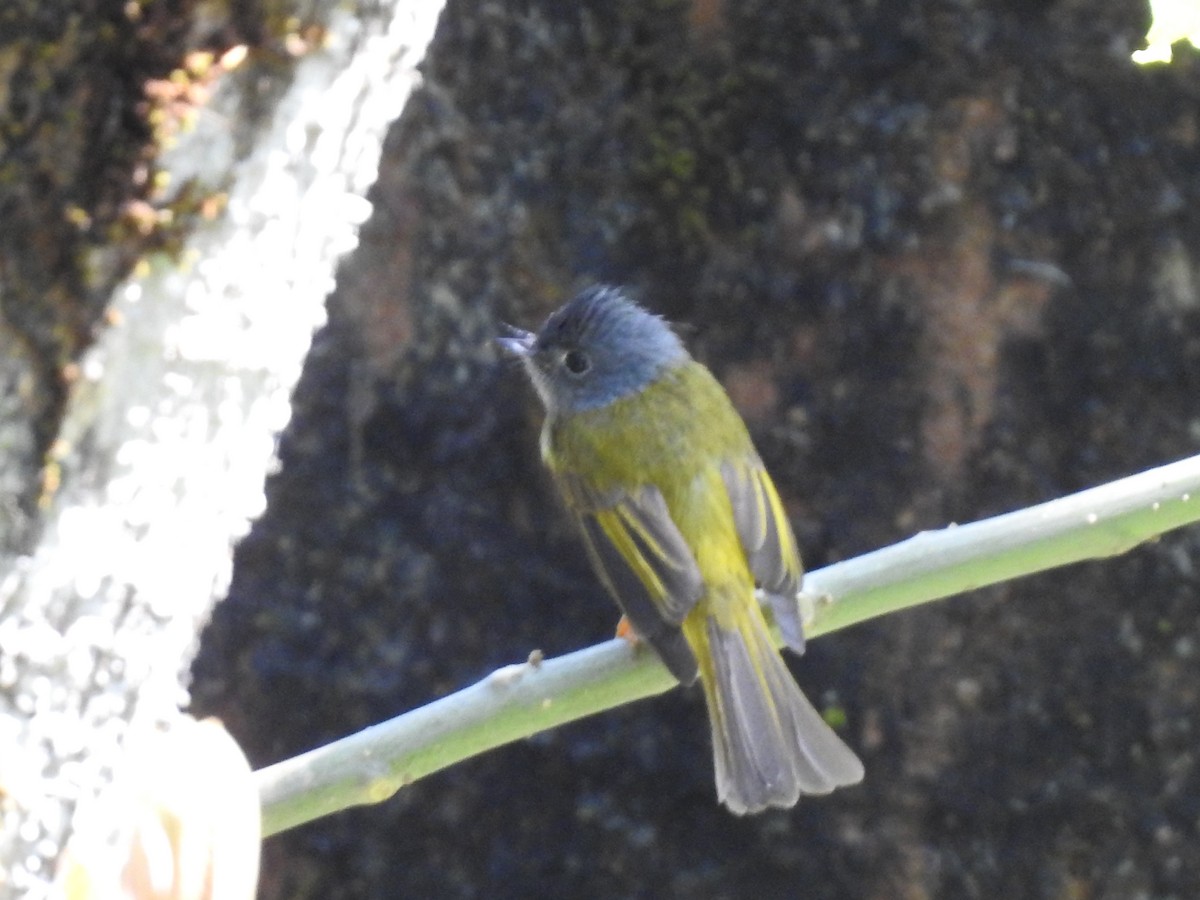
(769, 744)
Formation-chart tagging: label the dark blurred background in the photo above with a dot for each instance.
(944, 256)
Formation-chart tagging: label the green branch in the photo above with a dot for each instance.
(520, 700)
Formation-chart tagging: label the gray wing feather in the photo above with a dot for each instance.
(759, 531)
(667, 553)
(656, 539)
(636, 603)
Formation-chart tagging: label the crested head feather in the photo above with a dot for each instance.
(599, 347)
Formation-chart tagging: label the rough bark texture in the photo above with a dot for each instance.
(77, 143)
(74, 151)
(943, 254)
(96, 620)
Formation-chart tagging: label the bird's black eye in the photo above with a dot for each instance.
(576, 362)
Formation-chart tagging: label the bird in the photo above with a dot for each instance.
(681, 522)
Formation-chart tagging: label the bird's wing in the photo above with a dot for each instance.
(766, 536)
(645, 563)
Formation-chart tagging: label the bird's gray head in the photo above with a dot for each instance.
(600, 346)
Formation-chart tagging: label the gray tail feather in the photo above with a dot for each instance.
(769, 744)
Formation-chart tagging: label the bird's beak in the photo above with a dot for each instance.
(517, 342)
